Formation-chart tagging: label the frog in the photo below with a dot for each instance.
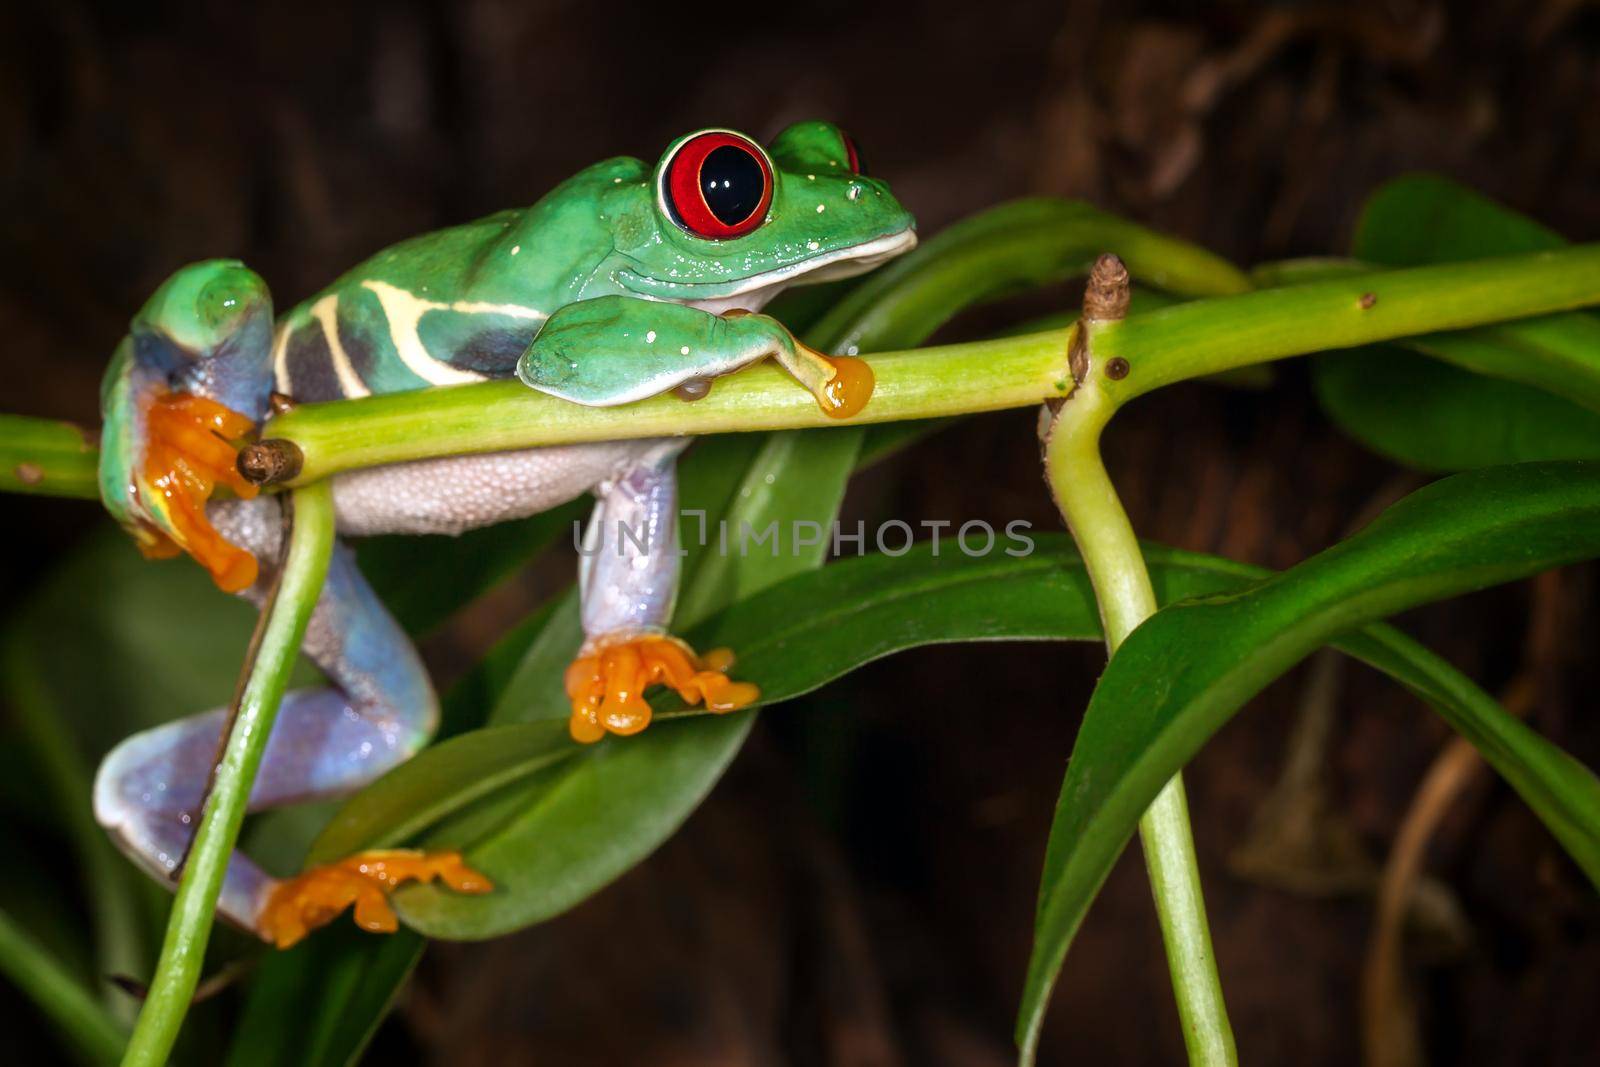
(626, 281)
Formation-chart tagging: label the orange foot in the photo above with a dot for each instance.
(607, 684)
(188, 453)
(316, 897)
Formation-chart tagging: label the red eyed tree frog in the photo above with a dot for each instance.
(623, 282)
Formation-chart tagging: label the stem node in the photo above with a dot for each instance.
(269, 462)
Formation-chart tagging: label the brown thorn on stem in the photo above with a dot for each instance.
(1106, 296)
(271, 461)
(1105, 299)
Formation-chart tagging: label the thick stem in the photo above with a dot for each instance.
(1089, 503)
(278, 636)
(86, 1025)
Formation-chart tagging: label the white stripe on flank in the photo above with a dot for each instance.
(325, 311)
(280, 359)
(405, 310)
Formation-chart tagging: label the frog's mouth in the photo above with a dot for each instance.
(752, 293)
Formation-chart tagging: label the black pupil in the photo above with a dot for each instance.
(732, 182)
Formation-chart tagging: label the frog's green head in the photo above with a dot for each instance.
(722, 223)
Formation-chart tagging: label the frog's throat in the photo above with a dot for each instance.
(753, 292)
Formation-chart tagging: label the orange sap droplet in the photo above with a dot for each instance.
(850, 388)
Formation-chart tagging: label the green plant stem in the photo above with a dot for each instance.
(1116, 567)
(277, 641)
(1201, 337)
(1185, 341)
(1209, 336)
(46, 457)
(495, 416)
(86, 1025)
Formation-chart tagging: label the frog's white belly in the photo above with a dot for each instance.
(453, 494)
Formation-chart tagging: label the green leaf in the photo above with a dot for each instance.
(1424, 218)
(524, 802)
(1434, 416)
(319, 1003)
(1005, 250)
(551, 821)
(1188, 668)
(1439, 417)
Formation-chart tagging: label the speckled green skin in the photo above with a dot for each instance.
(485, 288)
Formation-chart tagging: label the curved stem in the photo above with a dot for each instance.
(86, 1025)
(277, 640)
(1089, 503)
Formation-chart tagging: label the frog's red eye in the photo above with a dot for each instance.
(718, 185)
(852, 155)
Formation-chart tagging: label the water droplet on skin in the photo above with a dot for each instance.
(684, 351)
(821, 209)
(516, 249)
(650, 338)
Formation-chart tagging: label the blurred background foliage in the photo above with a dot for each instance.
(858, 889)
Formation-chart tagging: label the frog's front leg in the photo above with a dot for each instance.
(192, 377)
(628, 581)
(617, 349)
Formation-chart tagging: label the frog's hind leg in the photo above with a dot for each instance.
(325, 743)
(628, 581)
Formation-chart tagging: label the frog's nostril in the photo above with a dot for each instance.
(856, 189)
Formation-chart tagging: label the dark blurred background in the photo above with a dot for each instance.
(860, 888)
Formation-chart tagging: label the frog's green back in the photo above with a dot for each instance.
(453, 306)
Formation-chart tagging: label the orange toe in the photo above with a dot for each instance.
(607, 685)
(189, 452)
(301, 904)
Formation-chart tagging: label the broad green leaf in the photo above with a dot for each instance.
(1425, 218)
(1434, 416)
(1010, 249)
(1188, 668)
(1438, 417)
(492, 792)
(533, 810)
